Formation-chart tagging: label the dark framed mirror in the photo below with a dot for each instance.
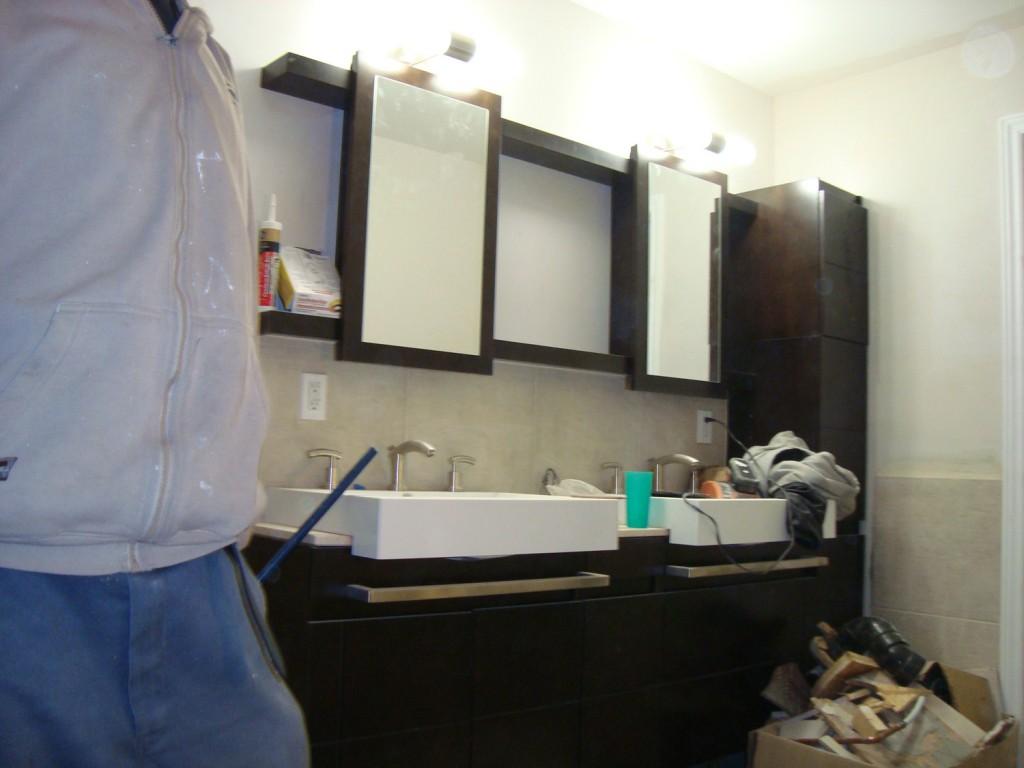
(678, 221)
(418, 227)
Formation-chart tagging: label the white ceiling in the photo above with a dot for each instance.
(781, 45)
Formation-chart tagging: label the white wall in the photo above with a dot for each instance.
(555, 246)
(570, 72)
(918, 140)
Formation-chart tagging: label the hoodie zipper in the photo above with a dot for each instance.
(157, 512)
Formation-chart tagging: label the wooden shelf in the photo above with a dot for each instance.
(546, 149)
(566, 358)
(308, 79)
(315, 81)
(294, 324)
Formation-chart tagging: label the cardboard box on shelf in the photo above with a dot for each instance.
(972, 697)
(308, 282)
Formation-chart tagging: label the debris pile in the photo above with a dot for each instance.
(886, 709)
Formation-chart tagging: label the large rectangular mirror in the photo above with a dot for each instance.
(418, 225)
(677, 232)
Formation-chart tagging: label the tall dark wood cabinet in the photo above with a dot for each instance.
(795, 291)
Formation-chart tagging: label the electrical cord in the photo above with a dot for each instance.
(714, 523)
(725, 552)
(740, 443)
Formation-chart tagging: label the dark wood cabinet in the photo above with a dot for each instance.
(706, 717)
(717, 629)
(539, 738)
(445, 747)
(527, 657)
(405, 672)
(653, 671)
(621, 730)
(622, 649)
(796, 322)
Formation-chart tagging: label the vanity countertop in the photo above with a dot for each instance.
(326, 539)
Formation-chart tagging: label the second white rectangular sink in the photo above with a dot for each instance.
(411, 524)
(740, 521)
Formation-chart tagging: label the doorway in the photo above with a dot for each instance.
(1011, 620)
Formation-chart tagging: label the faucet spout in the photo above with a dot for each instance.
(396, 452)
(413, 446)
(674, 458)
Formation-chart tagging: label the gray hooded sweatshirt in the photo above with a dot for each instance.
(131, 404)
(787, 459)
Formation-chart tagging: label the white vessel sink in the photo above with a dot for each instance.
(404, 524)
(740, 521)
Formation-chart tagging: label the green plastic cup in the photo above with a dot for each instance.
(638, 498)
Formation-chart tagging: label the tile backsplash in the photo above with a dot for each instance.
(516, 423)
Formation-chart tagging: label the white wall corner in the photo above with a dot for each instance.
(1011, 623)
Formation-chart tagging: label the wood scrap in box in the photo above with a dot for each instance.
(863, 714)
(848, 665)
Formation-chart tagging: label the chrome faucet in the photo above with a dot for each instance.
(396, 452)
(674, 458)
(616, 476)
(333, 456)
(454, 481)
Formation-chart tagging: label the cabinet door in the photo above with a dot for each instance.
(842, 583)
(623, 645)
(398, 674)
(718, 629)
(844, 303)
(527, 657)
(446, 747)
(621, 731)
(418, 222)
(844, 230)
(710, 717)
(539, 738)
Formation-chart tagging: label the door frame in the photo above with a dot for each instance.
(1011, 619)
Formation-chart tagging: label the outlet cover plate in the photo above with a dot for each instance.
(704, 427)
(313, 397)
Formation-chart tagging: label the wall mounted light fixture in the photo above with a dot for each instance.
(437, 43)
(704, 149)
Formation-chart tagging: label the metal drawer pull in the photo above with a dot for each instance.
(707, 571)
(582, 580)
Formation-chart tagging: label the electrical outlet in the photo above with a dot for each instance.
(313, 397)
(704, 427)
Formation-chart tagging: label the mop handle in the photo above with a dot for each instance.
(313, 519)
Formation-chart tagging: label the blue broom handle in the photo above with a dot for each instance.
(313, 519)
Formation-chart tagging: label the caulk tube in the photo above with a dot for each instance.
(269, 259)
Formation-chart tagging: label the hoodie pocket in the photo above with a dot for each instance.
(82, 416)
(218, 430)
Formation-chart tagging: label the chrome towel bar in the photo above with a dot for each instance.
(582, 580)
(728, 569)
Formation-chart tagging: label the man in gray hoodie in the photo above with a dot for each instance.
(131, 405)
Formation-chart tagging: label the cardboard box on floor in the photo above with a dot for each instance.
(972, 696)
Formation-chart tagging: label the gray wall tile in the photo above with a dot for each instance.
(936, 546)
(958, 642)
(516, 423)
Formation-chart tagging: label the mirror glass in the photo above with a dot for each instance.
(682, 277)
(425, 220)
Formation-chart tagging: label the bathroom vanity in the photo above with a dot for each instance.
(661, 663)
(650, 670)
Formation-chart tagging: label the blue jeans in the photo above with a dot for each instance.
(172, 667)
